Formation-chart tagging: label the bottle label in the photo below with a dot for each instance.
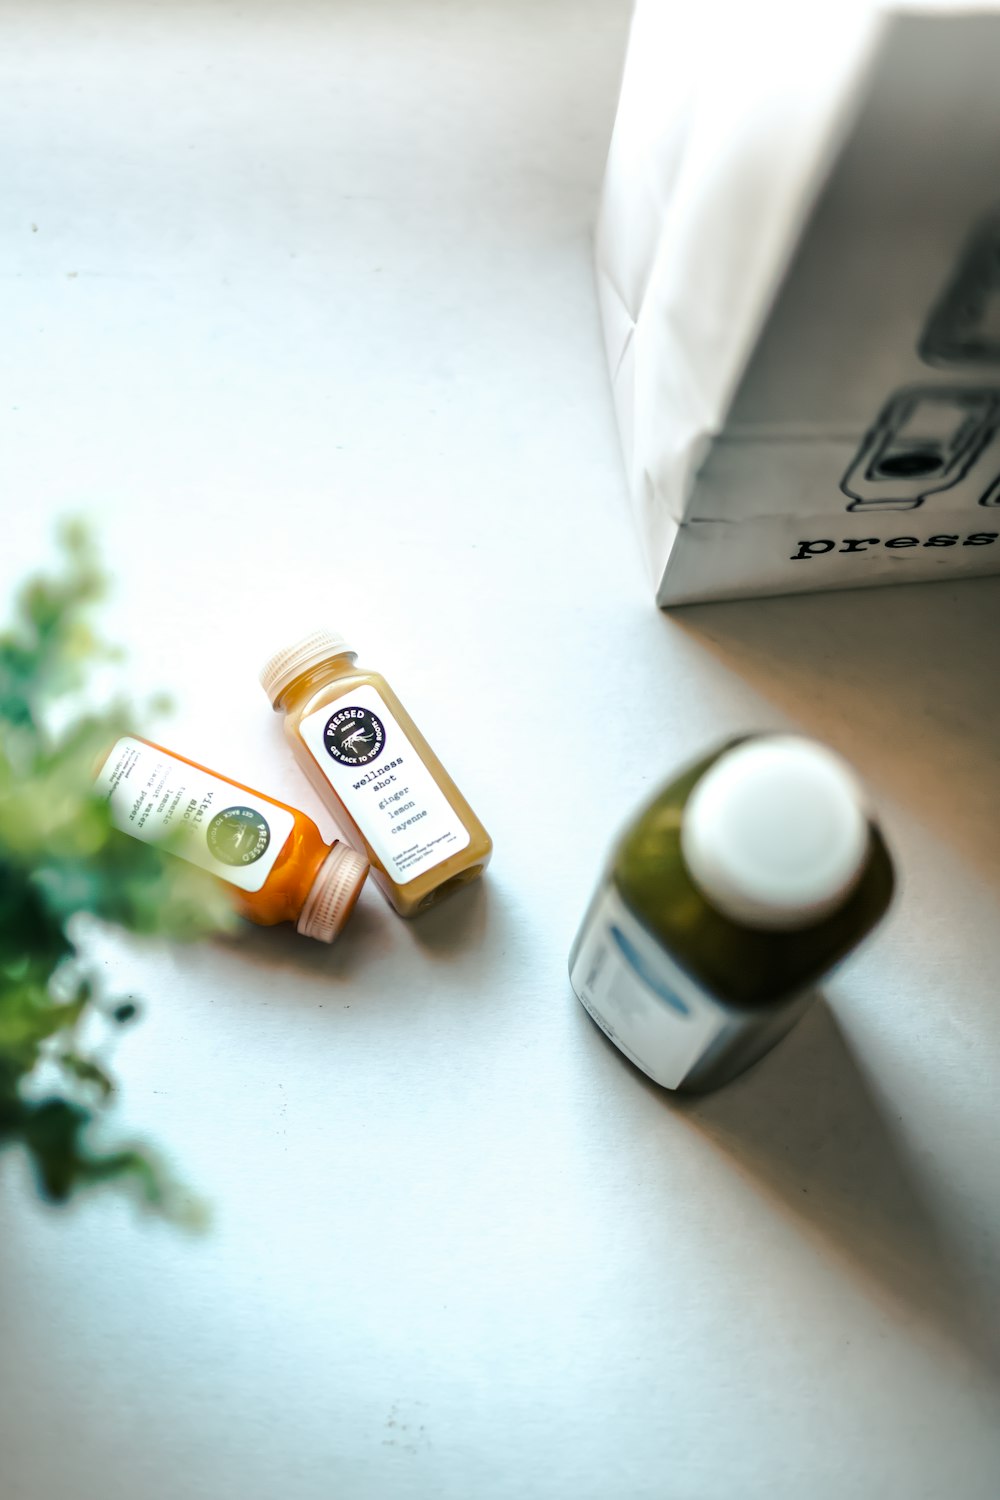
(378, 775)
(155, 797)
(659, 1016)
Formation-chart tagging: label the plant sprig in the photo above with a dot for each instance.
(61, 858)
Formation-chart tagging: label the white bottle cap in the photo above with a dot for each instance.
(288, 663)
(775, 834)
(333, 893)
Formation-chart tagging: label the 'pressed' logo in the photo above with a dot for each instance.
(354, 736)
(238, 835)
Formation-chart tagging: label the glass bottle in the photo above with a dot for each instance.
(374, 769)
(270, 856)
(724, 900)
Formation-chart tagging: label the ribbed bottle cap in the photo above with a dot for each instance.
(311, 651)
(775, 834)
(333, 893)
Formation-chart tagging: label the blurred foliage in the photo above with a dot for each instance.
(63, 868)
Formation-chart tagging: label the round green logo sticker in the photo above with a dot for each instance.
(238, 835)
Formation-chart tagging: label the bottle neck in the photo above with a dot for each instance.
(312, 680)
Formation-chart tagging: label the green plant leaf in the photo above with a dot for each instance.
(61, 858)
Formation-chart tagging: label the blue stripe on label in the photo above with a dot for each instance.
(645, 973)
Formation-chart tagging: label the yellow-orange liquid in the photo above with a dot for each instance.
(324, 685)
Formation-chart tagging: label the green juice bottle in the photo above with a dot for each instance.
(723, 902)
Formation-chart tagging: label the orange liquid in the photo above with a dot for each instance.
(283, 893)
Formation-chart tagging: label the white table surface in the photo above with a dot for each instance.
(298, 306)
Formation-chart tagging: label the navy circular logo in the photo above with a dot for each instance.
(238, 835)
(354, 736)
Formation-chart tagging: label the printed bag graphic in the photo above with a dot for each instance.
(926, 441)
(964, 328)
(798, 258)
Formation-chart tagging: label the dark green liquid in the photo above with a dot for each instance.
(745, 967)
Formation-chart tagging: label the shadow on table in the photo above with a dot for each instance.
(281, 948)
(902, 680)
(458, 923)
(807, 1126)
(454, 929)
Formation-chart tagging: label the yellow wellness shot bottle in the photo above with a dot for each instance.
(374, 769)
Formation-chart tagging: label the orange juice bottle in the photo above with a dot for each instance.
(270, 856)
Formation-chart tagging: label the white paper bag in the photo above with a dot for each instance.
(798, 262)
